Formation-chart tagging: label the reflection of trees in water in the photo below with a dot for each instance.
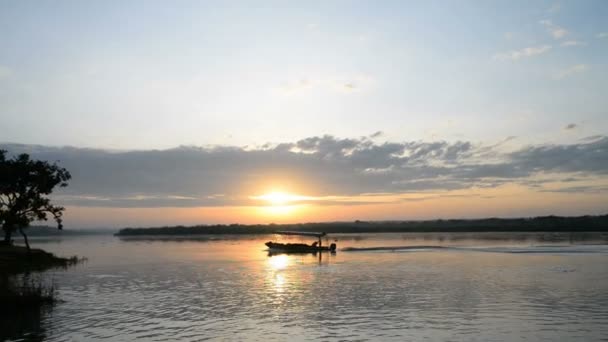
(23, 307)
(24, 324)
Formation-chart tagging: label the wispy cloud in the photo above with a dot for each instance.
(523, 53)
(594, 189)
(570, 71)
(556, 31)
(570, 127)
(602, 35)
(376, 134)
(573, 43)
(592, 138)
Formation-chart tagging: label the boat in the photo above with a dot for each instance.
(316, 246)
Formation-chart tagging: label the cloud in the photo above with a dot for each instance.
(592, 138)
(526, 52)
(579, 189)
(570, 126)
(570, 71)
(556, 31)
(586, 158)
(376, 134)
(573, 43)
(602, 35)
(327, 168)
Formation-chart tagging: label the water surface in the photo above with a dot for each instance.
(488, 287)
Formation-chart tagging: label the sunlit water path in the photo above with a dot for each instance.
(387, 287)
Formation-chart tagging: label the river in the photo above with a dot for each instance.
(449, 287)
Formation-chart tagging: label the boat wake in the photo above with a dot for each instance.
(561, 249)
(392, 248)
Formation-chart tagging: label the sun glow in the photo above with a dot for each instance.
(279, 198)
(278, 210)
(281, 204)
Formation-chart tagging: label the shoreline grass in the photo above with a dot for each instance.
(17, 288)
(17, 259)
(26, 292)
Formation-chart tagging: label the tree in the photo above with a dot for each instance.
(24, 188)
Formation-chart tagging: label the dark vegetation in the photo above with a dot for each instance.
(25, 295)
(25, 185)
(25, 292)
(17, 259)
(24, 323)
(536, 224)
(48, 231)
(24, 188)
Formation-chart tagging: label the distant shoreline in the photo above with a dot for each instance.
(535, 224)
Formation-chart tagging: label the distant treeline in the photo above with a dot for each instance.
(535, 224)
(53, 231)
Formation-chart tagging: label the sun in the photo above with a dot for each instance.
(280, 198)
(277, 198)
(279, 203)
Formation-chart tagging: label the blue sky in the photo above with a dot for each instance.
(126, 75)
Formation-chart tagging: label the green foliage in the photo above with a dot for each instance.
(24, 188)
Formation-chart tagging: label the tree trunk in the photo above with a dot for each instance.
(27, 243)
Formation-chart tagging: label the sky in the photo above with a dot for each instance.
(281, 111)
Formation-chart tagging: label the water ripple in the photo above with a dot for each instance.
(196, 291)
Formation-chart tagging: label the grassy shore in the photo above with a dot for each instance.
(17, 288)
(24, 292)
(17, 259)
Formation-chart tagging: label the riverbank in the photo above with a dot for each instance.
(18, 289)
(17, 259)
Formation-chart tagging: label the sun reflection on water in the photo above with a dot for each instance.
(279, 282)
(276, 276)
(278, 262)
